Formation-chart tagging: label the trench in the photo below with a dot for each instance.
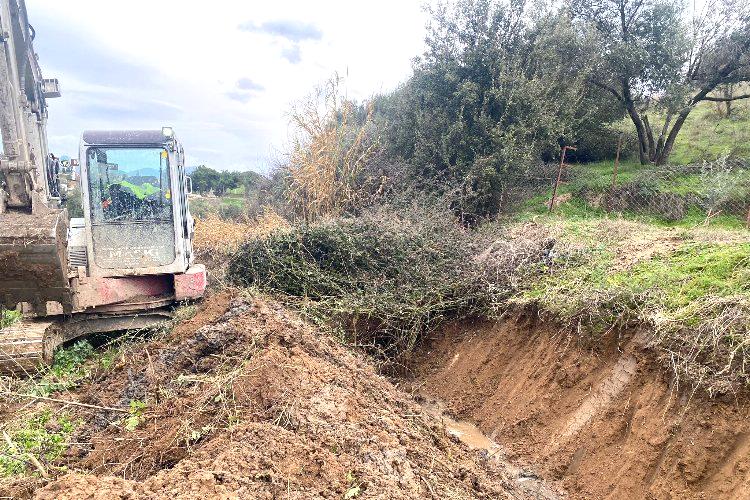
(582, 422)
(469, 434)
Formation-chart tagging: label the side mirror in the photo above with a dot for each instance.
(189, 184)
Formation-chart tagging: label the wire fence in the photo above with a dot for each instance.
(702, 193)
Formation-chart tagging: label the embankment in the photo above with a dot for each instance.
(606, 422)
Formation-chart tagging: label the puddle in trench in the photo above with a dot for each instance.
(475, 439)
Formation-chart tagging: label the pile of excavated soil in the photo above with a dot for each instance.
(248, 401)
(606, 422)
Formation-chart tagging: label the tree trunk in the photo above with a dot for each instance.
(663, 155)
(663, 134)
(650, 137)
(728, 93)
(627, 100)
(641, 131)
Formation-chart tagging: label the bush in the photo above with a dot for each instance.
(386, 277)
(74, 203)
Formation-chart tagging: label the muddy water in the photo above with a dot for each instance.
(475, 439)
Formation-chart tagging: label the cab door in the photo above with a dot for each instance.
(185, 220)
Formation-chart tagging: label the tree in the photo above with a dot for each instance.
(226, 181)
(652, 57)
(497, 87)
(204, 179)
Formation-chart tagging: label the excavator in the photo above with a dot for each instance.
(126, 262)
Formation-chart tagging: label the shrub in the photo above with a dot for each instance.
(8, 317)
(386, 277)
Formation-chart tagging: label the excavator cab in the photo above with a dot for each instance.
(135, 203)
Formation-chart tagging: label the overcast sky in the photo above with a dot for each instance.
(223, 73)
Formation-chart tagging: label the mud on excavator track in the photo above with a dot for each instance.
(30, 344)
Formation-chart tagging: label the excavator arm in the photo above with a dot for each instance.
(33, 229)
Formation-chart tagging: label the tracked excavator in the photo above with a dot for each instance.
(126, 262)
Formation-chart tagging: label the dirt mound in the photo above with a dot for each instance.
(607, 423)
(251, 402)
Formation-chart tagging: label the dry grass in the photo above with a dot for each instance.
(217, 239)
(214, 234)
(328, 153)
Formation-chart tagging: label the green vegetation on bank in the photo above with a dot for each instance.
(384, 278)
(689, 290)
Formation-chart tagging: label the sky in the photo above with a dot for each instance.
(222, 73)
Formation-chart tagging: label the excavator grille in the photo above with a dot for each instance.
(78, 257)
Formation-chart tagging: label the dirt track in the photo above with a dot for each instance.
(247, 401)
(606, 423)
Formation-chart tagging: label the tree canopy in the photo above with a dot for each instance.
(658, 58)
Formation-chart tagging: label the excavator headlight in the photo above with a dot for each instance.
(167, 131)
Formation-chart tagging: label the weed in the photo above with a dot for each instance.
(41, 436)
(67, 370)
(8, 317)
(354, 487)
(135, 418)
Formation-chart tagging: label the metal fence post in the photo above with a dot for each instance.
(559, 176)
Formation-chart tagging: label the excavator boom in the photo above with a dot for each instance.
(33, 229)
(126, 261)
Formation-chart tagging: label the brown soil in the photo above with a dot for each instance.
(247, 401)
(606, 423)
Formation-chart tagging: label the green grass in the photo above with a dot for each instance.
(42, 435)
(644, 194)
(694, 301)
(691, 273)
(706, 136)
(597, 176)
(226, 207)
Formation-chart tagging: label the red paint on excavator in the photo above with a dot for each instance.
(191, 284)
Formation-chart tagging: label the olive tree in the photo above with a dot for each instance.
(657, 58)
(499, 84)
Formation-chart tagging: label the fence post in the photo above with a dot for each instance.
(617, 162)
(559, 175)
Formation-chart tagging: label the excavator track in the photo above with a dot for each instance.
(27, 345)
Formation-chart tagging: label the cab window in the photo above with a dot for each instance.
(129, 184)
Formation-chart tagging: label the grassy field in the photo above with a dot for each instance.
(706, 136)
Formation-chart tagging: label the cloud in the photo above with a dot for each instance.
(292, 54)
(246, 90)
(72, 52)
(239, 96)
(209, 88)
(294, 31)
(248, 84)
